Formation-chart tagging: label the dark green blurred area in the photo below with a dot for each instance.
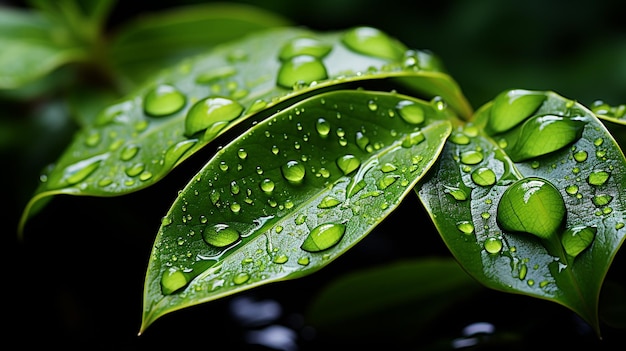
(77, 280)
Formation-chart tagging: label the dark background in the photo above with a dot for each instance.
(76, 281)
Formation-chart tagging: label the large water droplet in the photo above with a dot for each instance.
(532, 205)
(304, 46)
(348, 163)
(267, 185)
(323, 237)
(471, 157)
(163, 100)
(484, 176)
(541, 135)
(576, 240)
(598, 177)
(220, 235)
(493, 245)
(213, 113)
(373, 42)
(293, 171)
(410, 112)
(328, 202)
(512, 107)
(173, 280)
(301, 69)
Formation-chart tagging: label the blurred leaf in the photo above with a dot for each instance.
(291, 195)
(548, 225)
(155, 41)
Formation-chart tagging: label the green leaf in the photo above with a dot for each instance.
(408, 295)
(159, 40)
(288, 197)
(604, 111)
(513, 234)
(32, 46)
(137, 141)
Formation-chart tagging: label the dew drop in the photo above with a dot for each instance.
(484, 176)
(465, 227)
(79, 171)
(173, 280)
(323, 127)
(220, 235)
(471, 157)
(571, 189)
(386, 181)
(602, 199)
(413, 139)
(576, 240)
(459, 138)
(129, 152)
(580, 156)
(293, 172)
(176, 151)
(493, 245)
(531, 205)
(362, 141)
(242, 154)
(163, 100)
(598, 177)
(373, 42)
(212, 113)
(323, 237)
(328, 202)
(241, 278)
(410, 112)
(267, 185)
(280, 259)
(304, 261)
(457, 193)
(301, 69)
(348, 163)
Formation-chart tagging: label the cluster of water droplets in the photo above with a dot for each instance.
(531, 204)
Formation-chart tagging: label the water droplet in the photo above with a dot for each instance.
(135, 169)
(176, 151)
(465, 227)
(410, 112)
(220, 235)
(304, 261)
(348, 163)
(580, 156)
(323, 127)
(484, 176)
(602, 199)
(173, 280)
(362, 141)
(598, 177)
(163, 100)
(386, 181)
(571, 189)
(576, 240)
(242, 154)
(329, 202)
(293, 171)
(323, 237)
(280, 259)
(275, 150)
(301, 69)
(388, 167)
(531, 205)
(300, 219)
(373, 42)
(241, 278)
(512, 107)
(304, 46)
(460, 138)
(215, 74)
(372, 106)
(493, 245)
(457, 193)
(471, 157)
(413, 139)
(267, 185)
(212, 113)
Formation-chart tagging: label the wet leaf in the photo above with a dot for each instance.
(513, 235)
(291, 195)
(604, 111)
(137, 141)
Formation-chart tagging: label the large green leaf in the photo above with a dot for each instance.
(536, 208)
(33, 46)
(137, 141)
(156, 41)
(288, 197)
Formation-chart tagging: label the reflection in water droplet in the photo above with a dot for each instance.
(128, 152)
(163, 100)
(293, 172)
(531, 205)
(212, 113)
(220, 235)
(576, 240)
(301, 69)
(323, 237)
(410, 112)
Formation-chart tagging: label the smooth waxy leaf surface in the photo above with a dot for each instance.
(291, 195)
(136, 142)
(543, 219)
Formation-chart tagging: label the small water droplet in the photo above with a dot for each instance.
(373, 42)
(304, 261)
(128, 152)
(410, 112)
(460, 138)
(220, 235)
(372, 106)
(362, 141)
(293, 172)
(211, 114)
(323, 237)
(580, 156)
(79, 171)
(413, 139)
(348, 163)
(328, 202)
(267, 185)
(457, 193)
(602, 199)
(280, 259)
(465, 227)
(598, 177)
(493, 245)
(471, 157)
(576, 240)
(483, 176)
(323, 127)
(173, 280)
(301, 69)
(386, 181)
(242, 154)
(241, 278)
(163, 100)
(571, 189)
(300, 219)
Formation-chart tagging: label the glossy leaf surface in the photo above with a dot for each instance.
(137, 141)
(512, 232)
(291, 195)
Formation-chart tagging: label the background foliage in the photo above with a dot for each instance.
(77, 279)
